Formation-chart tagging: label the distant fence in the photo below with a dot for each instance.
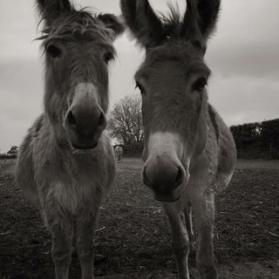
(133, 150)
(257, 140)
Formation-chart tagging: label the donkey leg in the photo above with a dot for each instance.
(62, 236)
(204, 211)
(180, 238)
(189, 224)
(85, 233)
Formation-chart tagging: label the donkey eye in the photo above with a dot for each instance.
(54, 51)
(108, 56)
(140, 87)
(199, 84)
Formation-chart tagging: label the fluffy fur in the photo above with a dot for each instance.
(68, 185)
(189, 152)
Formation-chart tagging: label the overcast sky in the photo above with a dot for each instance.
(243, 56)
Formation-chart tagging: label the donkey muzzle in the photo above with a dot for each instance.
(85, 125)
(85, 120)
(165, 177)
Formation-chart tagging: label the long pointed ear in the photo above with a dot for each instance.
(113, 23)
(51, 9)
(200, 18)
(143, 22)
(208, 14)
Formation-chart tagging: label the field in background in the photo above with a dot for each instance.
(129, 164)
(7, 166)
(133, 232)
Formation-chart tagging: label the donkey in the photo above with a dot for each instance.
(189, 152)
(66, 163)
(118, 151)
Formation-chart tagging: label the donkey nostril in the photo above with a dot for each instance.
(145, 178)
(102, 119)
(179, 177)
(71, 119)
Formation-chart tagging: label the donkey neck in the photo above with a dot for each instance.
(202, 129)
(208, 134)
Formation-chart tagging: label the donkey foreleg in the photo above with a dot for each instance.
(180, 238)
(204, 212)
(62, 236)
(86, 226)
(189, 224)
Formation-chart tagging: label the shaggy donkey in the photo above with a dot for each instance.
(189, 151)
(66, 163)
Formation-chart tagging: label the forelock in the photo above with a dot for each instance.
(171, 22)
(77, 24)
(173, 49)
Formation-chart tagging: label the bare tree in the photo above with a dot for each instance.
(125, 121)
(13, 151)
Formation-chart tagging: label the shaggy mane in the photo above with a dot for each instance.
(76, 24)
(171, 21)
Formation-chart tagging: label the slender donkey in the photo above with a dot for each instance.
(189, 152)
(66, 163)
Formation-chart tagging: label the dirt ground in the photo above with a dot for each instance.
(133, 233)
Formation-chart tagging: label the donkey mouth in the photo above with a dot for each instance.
(167, 198)
(84, 147)
(82, 144)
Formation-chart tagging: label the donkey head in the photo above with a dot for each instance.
(172, 82)
(78, 47)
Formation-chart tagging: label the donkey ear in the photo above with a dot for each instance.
(113, 23)
(143, 22)
(208, 14)
(51, 9)
(200, 18)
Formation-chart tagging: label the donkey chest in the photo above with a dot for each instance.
(72, 197)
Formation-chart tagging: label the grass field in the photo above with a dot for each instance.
(133, 232)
